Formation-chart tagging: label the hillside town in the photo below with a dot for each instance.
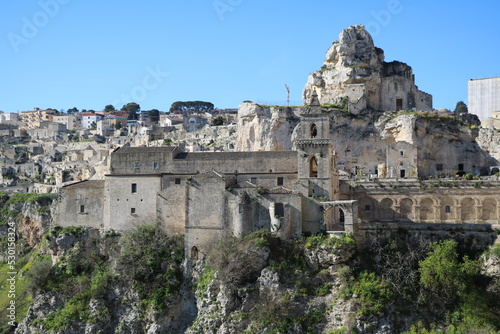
(42, 150)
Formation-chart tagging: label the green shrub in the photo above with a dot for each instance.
(38, 276)
(151, 260)
(372, 292)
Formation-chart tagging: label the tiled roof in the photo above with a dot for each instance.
(245, 184)
(280, 190)
(87, 184)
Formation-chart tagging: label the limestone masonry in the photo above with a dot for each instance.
(362, 154)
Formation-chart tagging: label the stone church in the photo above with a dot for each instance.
(211, 195)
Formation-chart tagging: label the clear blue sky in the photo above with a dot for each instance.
(88, 53)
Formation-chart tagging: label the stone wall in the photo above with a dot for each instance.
(429, 203)
(82, 204)
(472, 237)
(131, 200)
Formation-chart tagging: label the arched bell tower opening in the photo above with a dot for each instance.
(313, 167)
(313, 131)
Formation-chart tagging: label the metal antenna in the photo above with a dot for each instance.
(287, 95)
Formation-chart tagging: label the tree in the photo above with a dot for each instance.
(109, 108)
(93, 125)
(443, 271)
(72, 110)
(191, 106)
(131, 108)
(461, 108)
(218, 121)
(154, 115)
(118, 125)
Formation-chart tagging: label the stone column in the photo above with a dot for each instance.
(479, 214)
(416, 213)
(458, 214)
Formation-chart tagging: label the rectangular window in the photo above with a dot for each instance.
(132, 210)
(401, 153)
(279, 210)
(134, 188)
(253, 180)
(82, 208)
(280, 181)
(156, 165)
(402, 173)
(368, 207)
(177, 181)
(439, 167)
(460, 167)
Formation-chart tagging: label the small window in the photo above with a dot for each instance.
(279, 210)
(253, 180)
(82, 208)
(132, 210)
(447, 209)
(177, 181)
(401, 163)
(402, 173)
(156, 165)
(280, 181)
(134, 188)
(439, 167)
(401, 153)
(368, 207)
(460, 167)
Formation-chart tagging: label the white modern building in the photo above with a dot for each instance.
(88, 119)
(484, 97)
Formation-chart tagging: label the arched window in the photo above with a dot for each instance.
(313, 167)
(447, 209)
(314, 131)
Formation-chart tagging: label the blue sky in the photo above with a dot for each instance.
(87, 54)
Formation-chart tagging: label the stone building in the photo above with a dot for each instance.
(211, 195)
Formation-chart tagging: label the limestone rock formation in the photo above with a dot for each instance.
(262, 128)
(354, 72)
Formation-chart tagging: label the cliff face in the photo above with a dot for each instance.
(354, 69)
(365, 142)
(262, 128)
(90, 281)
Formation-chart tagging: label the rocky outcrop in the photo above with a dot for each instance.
(489, 141)
(354, 69)
(265, 128)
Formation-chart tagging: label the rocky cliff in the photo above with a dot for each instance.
(365, 141)
(77, 280)
(265, 128)
(354, 70)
